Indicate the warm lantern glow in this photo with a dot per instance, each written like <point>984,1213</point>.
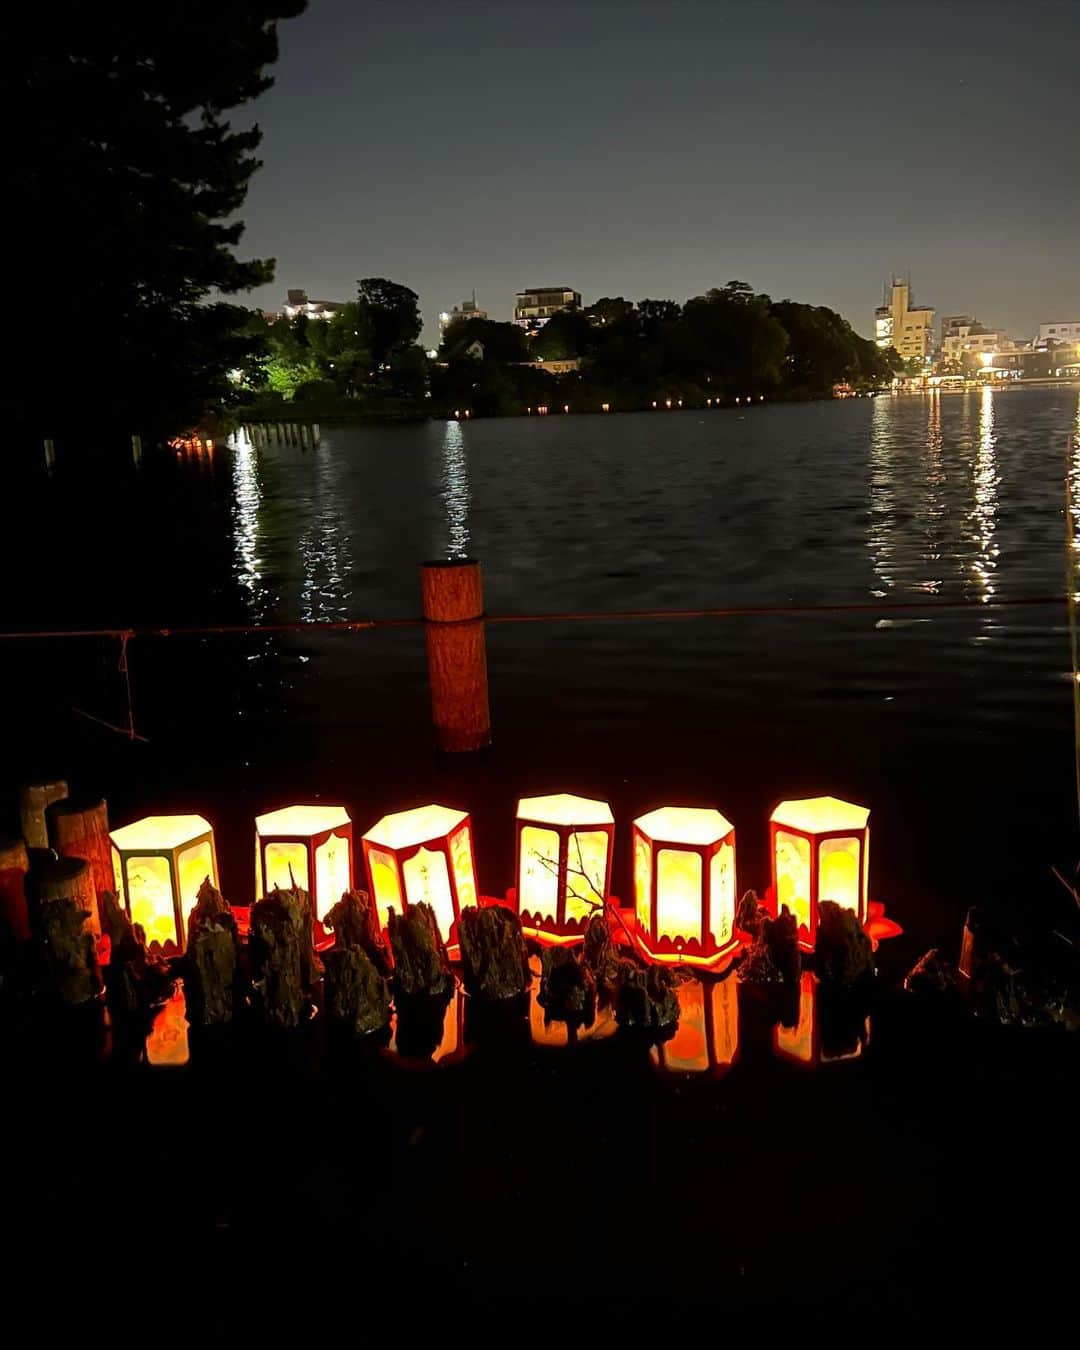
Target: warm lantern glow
<point>305,846</point>
<point>159,864</point>
<point>684,884</point>
<point>820,851</point>
<point>564,853</point>
<point>422,855</point>
<point>707,1037</point>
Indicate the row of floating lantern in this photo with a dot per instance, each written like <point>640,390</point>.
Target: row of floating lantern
<point>684,868</point>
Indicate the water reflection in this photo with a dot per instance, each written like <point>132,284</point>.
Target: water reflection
<point>454,490</point>
<point>324,546</point>
<point>247,500</point>
<point>984,512</point>
<point>707,1036</point>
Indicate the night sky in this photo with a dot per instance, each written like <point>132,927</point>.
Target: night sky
<point>659,149</point>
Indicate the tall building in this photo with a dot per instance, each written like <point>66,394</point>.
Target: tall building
<point>468,309</point>
<point>297,302</point>
<point>534,307</point>
<point>900,324</point>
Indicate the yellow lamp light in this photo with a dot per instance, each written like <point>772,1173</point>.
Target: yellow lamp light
<point>684,884</point>
<point>159,864</point>
<point>306,846</point>
<point>422,855</point>
<point>820,849</point>
<point>564,851</point>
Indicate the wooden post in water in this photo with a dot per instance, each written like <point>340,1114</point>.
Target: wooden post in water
<point>82,831</point>
<point>34,800</point>
<point>50,454</point>
<point>304,435</point>
<point>316,434</point>
<point>136,449</point>
<point>453,598</point>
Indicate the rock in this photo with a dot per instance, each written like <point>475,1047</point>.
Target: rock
<point>354,921</point>
<point>773,957</point>
<point>283,961</point>
<point>495,962</point>
<point>843,953</point>
<point>421,966</point>
<point>932,977</point>
<point>600,957</point>
<point>420,1024</point>
<point>749,914</point>
<point>70,957</point>
<point>567,987</point>
<point>357,996</point>
<point>646,997</point>
<point>212,960</point>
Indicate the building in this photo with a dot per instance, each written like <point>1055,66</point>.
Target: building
<point>961,333</point>
<point>1068,331</point>
<point>468,309</point>
<point>297,303</point>
<point>900,324</point>
<point>534,307</point>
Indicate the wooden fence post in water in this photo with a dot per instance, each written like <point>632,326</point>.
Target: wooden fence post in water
<point>453,596</point>
<point>34,800</point>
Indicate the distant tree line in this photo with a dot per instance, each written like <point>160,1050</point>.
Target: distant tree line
<point>364,359</point>
<point>729,343</point>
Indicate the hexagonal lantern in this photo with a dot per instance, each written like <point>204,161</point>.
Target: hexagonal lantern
<point>684,884</point>
<point>309,846</point>
<point>820,848</point>
<point>564,850</point>
<point>159,863</point>
<point>422,855</point>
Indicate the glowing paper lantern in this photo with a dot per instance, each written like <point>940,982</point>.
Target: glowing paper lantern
<point>309,846</point>
<point>159,863</point>
<point>684,884</point>
<point>820,849</point>
<point>422,855</point>
<point>564,848</point>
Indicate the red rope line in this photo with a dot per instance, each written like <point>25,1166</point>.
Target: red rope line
<point>557,616</point>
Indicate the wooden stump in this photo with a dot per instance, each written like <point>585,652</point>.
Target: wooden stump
<point>67,879</point>
<point>83,832</point>
<point>34,801</point>
<point>14,917</point>
<point>453,599</point>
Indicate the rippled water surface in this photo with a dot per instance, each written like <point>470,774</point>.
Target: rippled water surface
<point>955,727</point>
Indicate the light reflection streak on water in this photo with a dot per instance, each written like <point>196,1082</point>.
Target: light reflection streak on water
<point>324,546</point>
<point>454,490</point>
<point>246,505</point>
<point>984,512</point>
<point>882,497</point>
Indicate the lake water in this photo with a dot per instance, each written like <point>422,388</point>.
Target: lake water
<point>954,727</point>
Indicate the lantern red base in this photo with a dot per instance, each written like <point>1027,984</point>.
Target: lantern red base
<point>546,931</point>
<point>876,925</point>
<point>680,952</point>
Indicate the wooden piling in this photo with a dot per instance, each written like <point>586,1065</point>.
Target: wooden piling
<point>82,831</point>
<point>304,435</point>
<point>34,800</point>
<point>14,916</point>
<point>66,879</point>
<point>50,453</point>
<point>136,449</point>
<point>453,600</point>
<point>316,434</point>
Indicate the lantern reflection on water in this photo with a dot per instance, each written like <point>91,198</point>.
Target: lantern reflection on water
<point>305,846</point>
<point>707,1036</point>
<point>684,884</point>
<point>564,848</point>
<point>422,855</point>
<point>820,1039</point>
<point>820,849</point>
<point>159,864</point>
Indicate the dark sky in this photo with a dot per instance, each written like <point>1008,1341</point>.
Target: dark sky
<point>621,148</point>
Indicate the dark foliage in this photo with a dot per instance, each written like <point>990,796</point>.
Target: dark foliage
<point>125,176</point>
